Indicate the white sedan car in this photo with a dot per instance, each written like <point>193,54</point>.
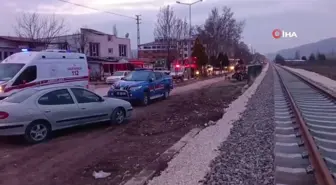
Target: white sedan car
<point>35,113</point>
<point>116,76</point>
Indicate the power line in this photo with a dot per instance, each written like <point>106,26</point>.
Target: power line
<point>137,17</point>
<point>84,6</point>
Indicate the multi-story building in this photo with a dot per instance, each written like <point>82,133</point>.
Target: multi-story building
<point>158,50</point>
<point>95,44</point>
<point>182,46</point>
<point>10,45</point>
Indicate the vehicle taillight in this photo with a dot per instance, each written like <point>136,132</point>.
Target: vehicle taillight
<point>3,115</point>
<point>177,66</point>
<point>2,88</point>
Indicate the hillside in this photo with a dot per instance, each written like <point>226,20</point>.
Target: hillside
<point>326,46</point>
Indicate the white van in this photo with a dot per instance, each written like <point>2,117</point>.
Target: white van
<point>49,67</point>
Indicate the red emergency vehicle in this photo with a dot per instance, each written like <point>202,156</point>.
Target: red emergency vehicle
<point>184,67</point>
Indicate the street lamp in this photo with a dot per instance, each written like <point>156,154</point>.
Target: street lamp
<point>189,4</point>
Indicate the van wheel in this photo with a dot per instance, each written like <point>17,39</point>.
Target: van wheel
<point>118,116</point>
<point>37,131</point>
<point>145,100</point>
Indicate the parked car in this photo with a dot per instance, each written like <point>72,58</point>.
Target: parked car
<point>177,72</point>
<point>116,76</point>
<point>142,85</point>
<point>35,113</point>
<point>162,69</point>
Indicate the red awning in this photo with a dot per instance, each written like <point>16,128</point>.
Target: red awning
<point>137,62</point>
<point>114,63</point>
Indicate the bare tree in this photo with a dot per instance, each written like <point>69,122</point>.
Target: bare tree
<point>82,41</point>
<point>165,29</point>
<point>41,29</point>
<point>115,30</point>
<point>221,31</point>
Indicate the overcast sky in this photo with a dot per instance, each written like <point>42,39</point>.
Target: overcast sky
<point>311,20</point>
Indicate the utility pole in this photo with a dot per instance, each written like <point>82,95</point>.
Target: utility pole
<point>138,19</point>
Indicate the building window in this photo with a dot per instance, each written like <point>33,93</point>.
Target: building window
<point>110,50</point>
<point>122,50</point>
<point>109,38</point>
<point>0,55</point>
<point>63,46</point>
<point>5,54</point>
<point>94,49</point>
<point>185,55</point>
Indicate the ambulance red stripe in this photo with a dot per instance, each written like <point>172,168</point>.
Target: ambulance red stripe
<point>47,82</point>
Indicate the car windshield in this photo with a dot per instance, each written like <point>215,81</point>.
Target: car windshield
<point>20,96</point>
<point>137,76</point>
<point>9,70</point>
<point>118,73</point>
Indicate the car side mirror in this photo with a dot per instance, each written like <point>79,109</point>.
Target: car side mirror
<point>122,78</point>
<point>150,80</point>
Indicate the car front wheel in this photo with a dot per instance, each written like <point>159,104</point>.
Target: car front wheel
<point>118,116</point>
<point>145,100</point>
<point>37,132</point>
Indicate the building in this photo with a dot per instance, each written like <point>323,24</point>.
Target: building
<point>94,43</point>
<point>182,46</point>
<point>10,45</point>
<point>158,50</point>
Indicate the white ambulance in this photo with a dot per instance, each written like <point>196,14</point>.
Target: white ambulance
<point>49,67</point>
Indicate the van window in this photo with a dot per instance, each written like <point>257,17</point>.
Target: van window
<point>28,75</point>
<point>9,70</point>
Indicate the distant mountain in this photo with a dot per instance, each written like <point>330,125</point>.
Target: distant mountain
<point>326,46</point>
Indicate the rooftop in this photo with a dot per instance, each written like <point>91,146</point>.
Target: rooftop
<point>17,39</point>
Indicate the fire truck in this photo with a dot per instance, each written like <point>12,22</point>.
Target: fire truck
<point>184,68</point>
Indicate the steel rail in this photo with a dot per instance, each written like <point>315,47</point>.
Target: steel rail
<point>321,171</point>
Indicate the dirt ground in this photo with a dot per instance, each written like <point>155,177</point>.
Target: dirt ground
<point>72,155</point>
<point>325,68</point>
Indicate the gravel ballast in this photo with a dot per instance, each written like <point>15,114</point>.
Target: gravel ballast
<point>191,165</point>
<point>246,157</point>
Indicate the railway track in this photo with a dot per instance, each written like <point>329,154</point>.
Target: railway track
<point>305,134</point>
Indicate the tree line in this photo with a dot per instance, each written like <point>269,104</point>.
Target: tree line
<point>312,57</point>
<point>43,30</point>
<point>217,39</point>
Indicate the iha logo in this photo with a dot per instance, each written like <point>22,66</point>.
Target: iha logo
<point>277,34</point>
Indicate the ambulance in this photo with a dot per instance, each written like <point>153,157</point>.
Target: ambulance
<point>45,68</point>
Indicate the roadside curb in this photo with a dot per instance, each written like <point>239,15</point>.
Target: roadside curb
<point>160,163</point>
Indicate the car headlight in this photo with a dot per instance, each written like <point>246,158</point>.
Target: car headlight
<point>231,67</point>
<point>135,88</point>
